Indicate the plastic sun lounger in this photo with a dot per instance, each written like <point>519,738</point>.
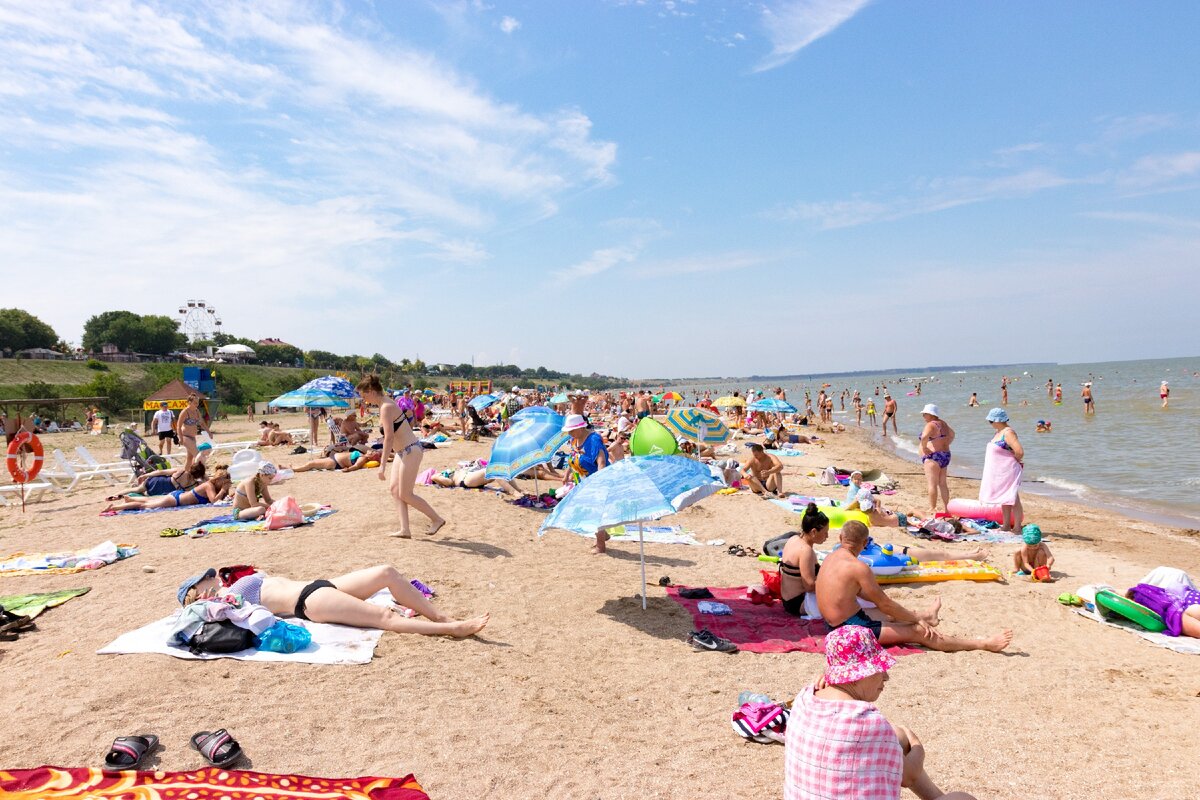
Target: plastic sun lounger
<point>10,493</point>
<point>106,471</point>
<point>63,474</point>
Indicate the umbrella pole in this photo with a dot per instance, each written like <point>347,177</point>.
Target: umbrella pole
<point>536,493</point>
<point>642,551</point>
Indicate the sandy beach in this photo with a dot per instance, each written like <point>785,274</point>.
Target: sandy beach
<point>573,691</point>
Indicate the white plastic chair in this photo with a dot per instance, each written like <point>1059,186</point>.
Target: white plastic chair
<point>10,493</point>
<point>63,475</point>
<point>93,467</point>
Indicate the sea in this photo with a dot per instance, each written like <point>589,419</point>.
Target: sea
<point>1132,456</point>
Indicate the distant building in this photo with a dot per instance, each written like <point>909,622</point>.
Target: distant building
<point>110,352</point>
<point>41,353</point>
<point>277,343</point>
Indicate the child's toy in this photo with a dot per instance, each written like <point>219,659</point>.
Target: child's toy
<point>1134,612</point>
<point>973,509</point>
<point>1042,574</point>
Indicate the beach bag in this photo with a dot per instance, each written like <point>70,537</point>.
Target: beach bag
<point>284,513</point>
<point>284,637</point>
<point>221,637</point>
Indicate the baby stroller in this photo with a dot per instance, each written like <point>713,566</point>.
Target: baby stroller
<point>140,456</point>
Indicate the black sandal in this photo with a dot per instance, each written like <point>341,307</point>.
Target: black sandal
<point>12,623</point>
<point>218,748</point>
<point>128,751</point>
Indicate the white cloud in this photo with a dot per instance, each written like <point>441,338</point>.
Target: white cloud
<point>928,196</point>
<point>791,26</point>
<point>509,24</point>
<point>599,261</point>
<point>1161,169</point>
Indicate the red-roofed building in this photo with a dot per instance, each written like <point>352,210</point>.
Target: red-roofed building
<point>276,342</point>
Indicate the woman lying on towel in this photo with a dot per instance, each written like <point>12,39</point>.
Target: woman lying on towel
<point>1171,594</point>
<point>345,461</point>
<point>212,490</point>
<point>341,601</point>
<point>164,481</point>
<point>472,477</point>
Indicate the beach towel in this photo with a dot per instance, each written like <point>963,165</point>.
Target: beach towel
<point>658,534</point>
<point>786,452</point>
<point>227,524</point>
<point>30,605</point>
<point>761,628</point>
<point>1180,644</point>
<point>207,783</point>
<point>172,508</point>
<point>99,556</point>
<point>331,644</point>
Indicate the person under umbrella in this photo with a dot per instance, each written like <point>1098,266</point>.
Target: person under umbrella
<point>588,455</point>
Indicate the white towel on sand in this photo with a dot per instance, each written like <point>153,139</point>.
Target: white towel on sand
<point>331,644</point>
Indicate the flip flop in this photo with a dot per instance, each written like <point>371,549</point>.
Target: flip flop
<point>219,742</point>
<point>11,623</point>
<point>128,751</point>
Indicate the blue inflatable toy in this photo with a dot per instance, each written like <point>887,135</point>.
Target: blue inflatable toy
<point>883,559</point>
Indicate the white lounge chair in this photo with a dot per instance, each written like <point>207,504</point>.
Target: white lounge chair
<point>90,466</point>
<point>62,474</point>
<point>10,493</point>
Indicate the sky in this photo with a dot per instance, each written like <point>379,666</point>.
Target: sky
<point>663,188</point>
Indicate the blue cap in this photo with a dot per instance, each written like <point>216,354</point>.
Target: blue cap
<point>192,581</point>
<point>997,415</point>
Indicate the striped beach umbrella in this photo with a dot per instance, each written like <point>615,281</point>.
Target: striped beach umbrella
<point>698,425</point>
<point>308,398</point>
<point>528,442</point>
<point>674,397</point>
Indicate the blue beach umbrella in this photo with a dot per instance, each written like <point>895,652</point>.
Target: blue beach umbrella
<point>308,398</point>
<point>528,442</point>
<point>772,405</point>
<point>535,411</point>
<point>635,489</point>
<point>559,398</point>
<point>698,425</point>
<point>483,401</point>
<point>332,385</point>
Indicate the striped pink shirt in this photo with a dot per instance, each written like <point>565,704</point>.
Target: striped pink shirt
<point>840,750</point>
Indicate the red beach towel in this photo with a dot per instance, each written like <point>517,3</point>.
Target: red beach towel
<point>201,784</point>
<point>762,628</point>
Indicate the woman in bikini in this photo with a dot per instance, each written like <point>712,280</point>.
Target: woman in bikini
<point>252,498</point>
<point>936,439</point>
<point>164,481</point>
<point>798,564</point>
<point>346,461</point>
<point>187,427</point>
<point>212,490</point>
<point>398,420</point>
<point>341,601</point>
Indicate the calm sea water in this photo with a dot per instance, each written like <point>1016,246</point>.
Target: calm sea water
<point>1132,454</point>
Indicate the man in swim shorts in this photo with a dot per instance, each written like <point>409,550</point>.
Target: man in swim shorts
<point>889,412</point>
<point>843,580</point>
<point>1089,403</point>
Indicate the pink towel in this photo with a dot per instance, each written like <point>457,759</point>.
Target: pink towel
<point>426,477</point>
<point>1001,479</point>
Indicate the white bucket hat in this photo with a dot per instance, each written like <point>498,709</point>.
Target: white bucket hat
<point>574,422</point>
<point>932,410</point>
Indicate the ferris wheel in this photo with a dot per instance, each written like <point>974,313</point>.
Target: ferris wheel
<point>199,321</point>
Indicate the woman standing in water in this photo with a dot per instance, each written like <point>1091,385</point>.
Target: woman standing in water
<point>1003,465</point>
<point>398,421</point>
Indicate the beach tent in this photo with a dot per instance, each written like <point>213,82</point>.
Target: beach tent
<point>175,393</point>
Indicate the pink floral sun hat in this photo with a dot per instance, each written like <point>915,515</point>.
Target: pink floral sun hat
<point>852,653</point>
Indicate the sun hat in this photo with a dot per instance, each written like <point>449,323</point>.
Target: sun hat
<point>516,388</point>
<point>932,410</point>
<point>852,653</point>
<point>192,581</point>
<point>574,422</point>
<point>267,468</point>
<point>1032,534</point>
<point>997,415</point>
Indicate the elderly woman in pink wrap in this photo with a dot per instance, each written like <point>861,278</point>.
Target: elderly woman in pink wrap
<point>1003,464</point>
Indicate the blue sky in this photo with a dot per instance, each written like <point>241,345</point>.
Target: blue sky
<point>657,188</point>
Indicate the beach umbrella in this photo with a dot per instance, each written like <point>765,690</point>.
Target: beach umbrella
<point>332,385</point>
<point>636,489</point>
<point>729,402</point>
<point>527,442</point>
<point>674,397</point>
<point>483,401</point>
<point>561,397</point>
<point>308,398</point>
<point>534,411</point>
<point>651,438</point>
<point>698,425</point>
<point>772,405</point>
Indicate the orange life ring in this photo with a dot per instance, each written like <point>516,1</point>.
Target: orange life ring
<point>19,474</point>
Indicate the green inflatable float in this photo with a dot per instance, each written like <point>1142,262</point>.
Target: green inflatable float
<point>1134,612</point>
<point>651,438</point>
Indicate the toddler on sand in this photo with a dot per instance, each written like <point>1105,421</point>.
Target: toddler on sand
<point>1034,553</point>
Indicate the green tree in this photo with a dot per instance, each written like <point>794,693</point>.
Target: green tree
<point>118,394</point>
<point>130,332</point>
<point>277,354</point>
<point>20,330</point>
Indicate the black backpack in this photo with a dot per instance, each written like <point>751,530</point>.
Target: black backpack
<point>222,637</point>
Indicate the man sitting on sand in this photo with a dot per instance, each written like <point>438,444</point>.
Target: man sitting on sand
<point>843,579</point>
<point>763,471</point>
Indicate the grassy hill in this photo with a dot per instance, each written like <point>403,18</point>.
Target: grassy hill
<point>72,378</point>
